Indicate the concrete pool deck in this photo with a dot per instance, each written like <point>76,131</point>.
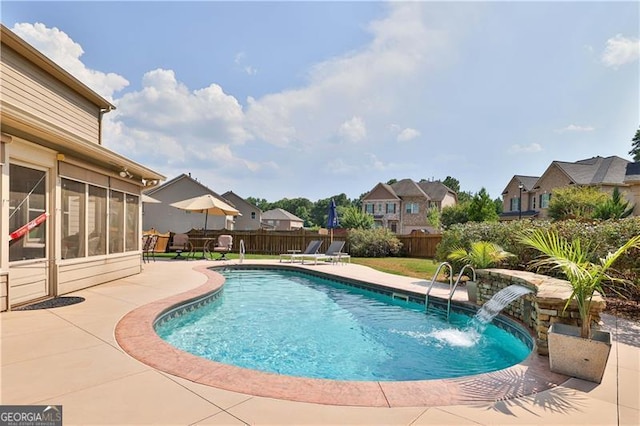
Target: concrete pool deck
<point>69,356</point>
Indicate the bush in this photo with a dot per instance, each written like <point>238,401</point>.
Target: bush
<point>378,242</point>
<point>603,236</point>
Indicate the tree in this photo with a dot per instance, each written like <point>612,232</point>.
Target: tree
<point>615,207</point>
<point>452,183</point>
<point>260,203</point>
<point>464,197</point>
<point>353,218</point>
<point>499,206</point>
<point>482,254</point>
<point>454,214</point>
<point>575,261</point>
<point>575,202</point>
<point>433,217</point>
<point>482,208</point>
<point>635,146</point>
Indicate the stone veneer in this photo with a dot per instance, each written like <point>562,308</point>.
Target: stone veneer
<point>539,309</point>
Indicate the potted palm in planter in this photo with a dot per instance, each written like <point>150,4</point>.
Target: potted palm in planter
<point>481,255</point>
<point>577,351</point>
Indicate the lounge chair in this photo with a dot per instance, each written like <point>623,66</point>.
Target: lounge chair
<point>333,253</point>
<point>312,248</point>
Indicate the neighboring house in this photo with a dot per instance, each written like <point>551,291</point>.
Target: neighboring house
<point>402,206</point>
<point>54,169</point>
<point>517,199</point>
<point>251,218</point>
<point>632,180</point>
<point>528,196</point>
<point>281,220</point>
<point>165,218</point>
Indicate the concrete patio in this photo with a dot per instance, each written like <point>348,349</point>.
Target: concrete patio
<point>69,356</point>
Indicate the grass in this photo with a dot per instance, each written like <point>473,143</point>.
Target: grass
<point>404,266</point>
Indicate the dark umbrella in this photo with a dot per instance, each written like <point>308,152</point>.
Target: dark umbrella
<point>332,219</point>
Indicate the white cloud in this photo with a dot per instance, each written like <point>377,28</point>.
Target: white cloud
<point>407,134</point>
<point>531,148</point>
<point>621,50</point>
<point>172,128</point>
<point>575,128</point>
<point>353,130</point>
<point>239,61</point>
<point>62,50</point>
<point>371,83</point>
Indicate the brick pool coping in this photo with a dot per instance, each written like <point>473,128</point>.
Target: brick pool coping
<point>136,336</point>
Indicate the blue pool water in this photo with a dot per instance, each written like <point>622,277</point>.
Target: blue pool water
<point>297,324</point>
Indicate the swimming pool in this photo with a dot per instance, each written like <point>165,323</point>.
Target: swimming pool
<point>297,324</point>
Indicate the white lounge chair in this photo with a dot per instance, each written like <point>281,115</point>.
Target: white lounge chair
<point>333,253</point>
<point>312,248</point>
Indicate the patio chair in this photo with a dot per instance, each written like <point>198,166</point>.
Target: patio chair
<point>332,253</point>
<point>181,244</point>
<point>312,248</point>
<point>223,246</point>
<point>149,246</point>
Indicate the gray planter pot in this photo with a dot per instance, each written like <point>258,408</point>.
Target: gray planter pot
<point>577,357</point>
<point>472,291</point>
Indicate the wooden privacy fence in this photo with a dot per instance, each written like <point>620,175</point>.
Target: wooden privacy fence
<point>277,242</point>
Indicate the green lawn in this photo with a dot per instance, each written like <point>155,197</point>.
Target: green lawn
<point>409,267</point>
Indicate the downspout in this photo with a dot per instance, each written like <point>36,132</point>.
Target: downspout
<point>103,111</point>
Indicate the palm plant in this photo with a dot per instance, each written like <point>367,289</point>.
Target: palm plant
<point>482,254</point>
<point>573,259</point>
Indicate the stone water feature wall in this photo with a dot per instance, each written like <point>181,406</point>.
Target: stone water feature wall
<point>537,310</point>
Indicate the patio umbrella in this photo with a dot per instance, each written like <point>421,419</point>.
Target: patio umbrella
<point>207,204</point>
<point>332,218</point>
<point>150,200</point>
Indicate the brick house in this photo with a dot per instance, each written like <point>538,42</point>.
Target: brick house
<point>529,196</point>
<point>402,206</point>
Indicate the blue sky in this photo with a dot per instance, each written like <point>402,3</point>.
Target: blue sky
<point>314,99</point>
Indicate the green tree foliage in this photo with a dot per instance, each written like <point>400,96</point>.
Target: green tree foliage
<point>464,197</point>
<point>452,183</point>
<point>635,146</point>
<point>260,203</point>
<point>615,207</point>
<point>392,181</point>
<point>603,236</point>
<point>481,254</point>
<point>354,218</point>
<point>575,202</point>
<point>451,215</point>
<point>433,217</point>
<point>376,242</point>
<point>574,259</point>
<point>482,208</point>
<point>499,207</point>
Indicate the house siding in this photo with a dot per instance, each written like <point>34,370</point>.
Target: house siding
<point>31,96</point>
<point>50,125</point>
<point>73,276</point>
<point>245,222</point>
